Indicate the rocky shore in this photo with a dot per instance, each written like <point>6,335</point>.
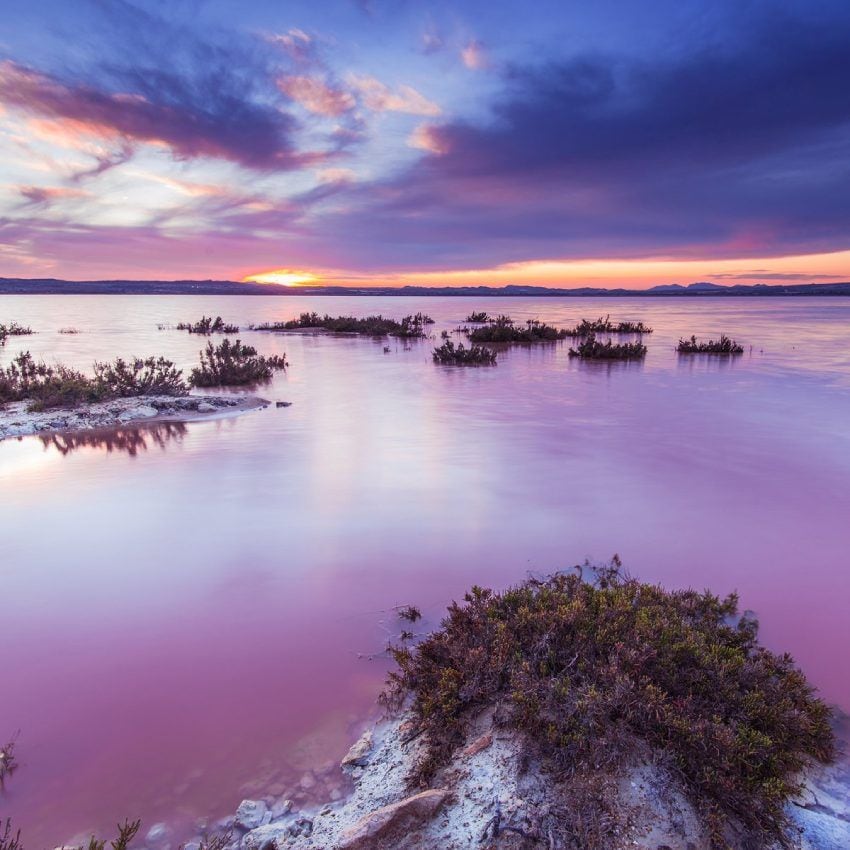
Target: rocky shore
<point>492,796</point>
<point>17,421</point>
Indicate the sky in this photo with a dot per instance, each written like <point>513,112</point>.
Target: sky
<point>389,142</point>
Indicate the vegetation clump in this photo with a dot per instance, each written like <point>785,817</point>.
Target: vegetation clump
<point>478,317</point>
<point>13,329</point>
<point>206,325</point>
<point>724,345</point>
<point>232,364</point>
<point>592,349</point>
<point>47,386</point>
<point>593,674</point>
<point>8,762</point>
<point>126,833</point>
<point>409,326</point>
<point>604,325</point>
<point>475,355</point>
<point>504,329</point>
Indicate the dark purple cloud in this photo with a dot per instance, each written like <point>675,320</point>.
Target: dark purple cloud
<point>192,117</point>
<point>734,149</point>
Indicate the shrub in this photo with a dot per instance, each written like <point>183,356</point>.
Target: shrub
<point>8,762</point>
<point>60,386</point>
<point>151,376</point>
<point>477,317</point>
<point>126,833</point>
<point>592,349</point>
<point>232,363</point>
<point>13,329</point>
<point>68,331</point>
<point>724,345</point>
<point>503,329</point>
<point>206,325</point>
<point>600,325</point>
<point>475,355</point>
<point>594,673</point>
<point>409,326</point>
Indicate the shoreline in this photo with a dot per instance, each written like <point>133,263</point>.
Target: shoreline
<point>17,422</point>
<point>488,796</point>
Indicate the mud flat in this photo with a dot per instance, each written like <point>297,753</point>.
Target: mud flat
<point>17,421</point>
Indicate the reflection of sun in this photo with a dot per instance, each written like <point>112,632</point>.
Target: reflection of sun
<point>282,277</point>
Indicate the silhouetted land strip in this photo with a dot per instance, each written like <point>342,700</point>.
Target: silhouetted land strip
<point>53,286</point>
<point>724,345</point>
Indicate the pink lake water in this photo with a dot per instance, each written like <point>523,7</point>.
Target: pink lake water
<point>192,614</point>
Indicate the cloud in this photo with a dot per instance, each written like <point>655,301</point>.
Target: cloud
<point>378,97</point>
<point>316,96</point>
<point>192,117</point>
<point>424,138</point>
<point>474,56</point>
<point>46,195</point>
<point>296,43</point>
<point>776,276</point>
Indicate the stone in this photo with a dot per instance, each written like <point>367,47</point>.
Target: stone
<point>268,836</point>
<point>283,404</point>
<point>250,814</point>
<point>358,755</point>
<point>307,782</point>
<point>281,808</point>
<point>372,831</point>
<point>477,745</point>
<point>205,407</point>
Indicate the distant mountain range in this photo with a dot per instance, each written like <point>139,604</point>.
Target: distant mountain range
<point>51,286</point>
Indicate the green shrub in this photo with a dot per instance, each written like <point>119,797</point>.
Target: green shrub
<point>206,325</point>
<point>232,363</point>
<point>46,387</point>
<point>592,349</point>
<point>151,376</point>
<point>724,345</point>
<point>475,355</point>
<point>594,673</point>
<point>600,325</point>
<point>503,329</point>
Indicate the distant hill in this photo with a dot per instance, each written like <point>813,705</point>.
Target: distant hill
<point>51,286</point>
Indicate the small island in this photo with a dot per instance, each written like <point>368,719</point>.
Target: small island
<point>412,326</point>
<point>724,345</point>
<point>503,329</point>
<point>475,355</point>
<point>592,349</point>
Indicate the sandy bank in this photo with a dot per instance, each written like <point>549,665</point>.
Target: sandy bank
<point>17,421</point>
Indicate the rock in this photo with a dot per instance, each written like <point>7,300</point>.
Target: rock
<point>270,836</point>
<point>302,826</point>
<point>307,782</point>
<point>281,808</point>
<point>374,829</point>
<point>283,404</point>
<point>358,755</point>
<point>250,814</point>
<point>157,833</point>
<point>477,745</point>
<point>205,407</point>
<point>192,845</point>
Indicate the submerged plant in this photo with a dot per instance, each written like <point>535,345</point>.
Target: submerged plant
<point>232,363</point>
<point>206,325</point>
<point>13,329</point>
<point>504,329</point>
<point>475,355</point>
<point>409,326</point>
<point>595,673</point>
<point>592,349</point>
<point>8,762</point>
<point>605,325</point>
<point>478,317</point>
<point>724,345</point>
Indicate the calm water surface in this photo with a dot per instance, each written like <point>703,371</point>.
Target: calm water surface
<point>189,612</point>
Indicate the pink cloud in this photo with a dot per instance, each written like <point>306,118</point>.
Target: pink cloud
<point>316,96</point>
<point>378,97</point>
<point>474,56</point>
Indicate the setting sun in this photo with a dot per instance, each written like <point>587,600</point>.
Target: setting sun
<point>282,277</point>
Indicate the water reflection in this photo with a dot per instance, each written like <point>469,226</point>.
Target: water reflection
<point>129,441</point>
